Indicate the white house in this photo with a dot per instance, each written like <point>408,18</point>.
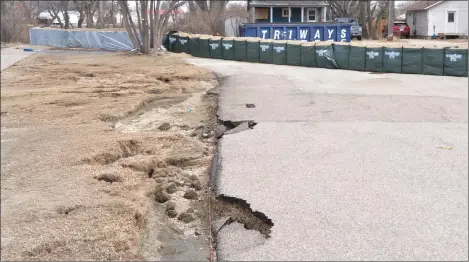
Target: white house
<point>444,18</point>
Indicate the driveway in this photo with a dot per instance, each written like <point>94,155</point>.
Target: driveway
<point>347,165</point>
<point>12,55</point>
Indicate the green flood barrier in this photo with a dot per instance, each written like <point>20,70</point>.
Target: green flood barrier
<point>308,55</point>
<point>204,47</point>
<point>240,49</point>
<point>194,45</point>
<point>412,60</point>
<point>433,61</point>
<point>252,50</point>
<point>455,62</point>
<point>265,51</point>
<point>294,53</point>
<point>392,60</point>
<point>341,55</point>
<point>357,58</point>
<point>183,44</point>
<point>449,61</point>
<point>215,47</point>
<point>228,51</point>
<point>172,43</point>
<point>279,52</point>
<point>374,59</point>
<point>325,56</point>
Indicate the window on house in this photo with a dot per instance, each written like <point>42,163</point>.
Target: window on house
<point>285,12</point>
<point>311,15</point>
<point>450,17</point>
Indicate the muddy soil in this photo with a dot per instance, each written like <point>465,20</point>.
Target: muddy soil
<point>106,157</point>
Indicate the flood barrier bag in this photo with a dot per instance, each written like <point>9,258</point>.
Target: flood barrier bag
<point>184,44</point>
<point>240,50</point>
<point>293,54</point>
<point>228,49</point>
<point>357,58</point>
<point>308,56</point>
<point>215,48</point>
<point>374,59</point>
<point>341,55</point>
<point>204,48</point>
<point>172,43</point>
<point>279,53</point>
<point>194,46</point>
<point>412,60</point>
<point>455,62</point>
<point>265,52</point>
<point>392,60</point>
<point>433,61</point>
<point>252,51</point>
<point>325,56</point>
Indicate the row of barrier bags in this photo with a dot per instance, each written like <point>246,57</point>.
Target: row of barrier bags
<point>428,61</point>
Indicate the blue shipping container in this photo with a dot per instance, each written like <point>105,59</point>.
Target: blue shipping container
<point>303,32</point>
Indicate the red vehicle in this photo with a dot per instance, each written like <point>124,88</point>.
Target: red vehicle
<point>401,29</point>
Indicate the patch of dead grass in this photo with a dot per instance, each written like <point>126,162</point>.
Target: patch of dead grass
<point>77,189</point>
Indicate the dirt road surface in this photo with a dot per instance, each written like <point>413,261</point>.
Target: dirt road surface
<point>103,158</point>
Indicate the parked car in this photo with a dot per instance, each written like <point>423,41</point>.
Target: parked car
<point>356,30</point>
<point>400,29</point>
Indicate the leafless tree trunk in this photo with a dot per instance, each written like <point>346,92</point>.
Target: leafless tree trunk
<point>53,9</point>
<point>348,8</point>
<point>101,14</point>
<point>152,19</point>
<point>90,9</point>
<point>192,7</point>
<point>202,4</point>
<point>139,32</point>
<point>362,19</point>
<point>66,16</point>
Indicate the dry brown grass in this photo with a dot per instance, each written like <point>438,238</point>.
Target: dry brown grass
<point>73,186</point>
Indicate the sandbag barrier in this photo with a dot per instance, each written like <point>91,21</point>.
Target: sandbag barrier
<point>392,59</point>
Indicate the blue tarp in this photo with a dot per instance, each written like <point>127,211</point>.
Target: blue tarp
<point>81,39</point>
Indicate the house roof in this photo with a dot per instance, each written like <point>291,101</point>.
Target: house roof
<point>292,3</point>
<point>422,5</point>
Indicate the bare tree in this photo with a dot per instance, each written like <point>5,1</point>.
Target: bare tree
<point>192,6</point>
<point>90,10</point>
<point>80,6</point>
<point>54,10</point>
<point>348,8</point>
<point>64,8</point>
<point>362,18</point>
<point>16,16</point>
<point>139,31</point>
<point>375,12</point>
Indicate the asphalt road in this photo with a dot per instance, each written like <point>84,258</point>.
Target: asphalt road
<point>348,165</point>
<point>12,55</point>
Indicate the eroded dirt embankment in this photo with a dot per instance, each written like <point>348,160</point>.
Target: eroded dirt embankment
<point>105,157</point>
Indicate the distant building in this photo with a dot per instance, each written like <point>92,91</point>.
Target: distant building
<point>278,11</point>
<point>445,18</point>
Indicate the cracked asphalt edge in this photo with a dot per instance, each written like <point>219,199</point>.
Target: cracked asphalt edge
<point>228,209</point>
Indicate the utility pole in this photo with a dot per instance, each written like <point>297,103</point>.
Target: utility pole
<point>101,14</point>
<point>391,20</point>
